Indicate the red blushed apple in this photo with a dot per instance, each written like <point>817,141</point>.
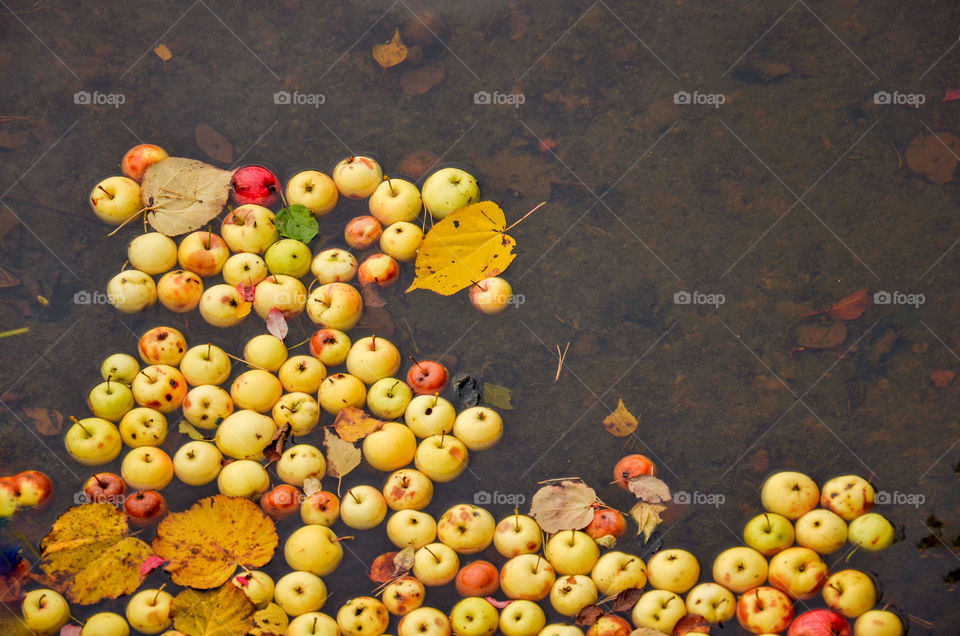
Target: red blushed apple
<point>136,161</point>
<point>606,522</point>
<point>427,377</point>
<point>820,622</point>
<point>203,253</point>
<point>610,625</point>
<point>632,466</point>
<point>105,488</point>
<point>362,232</point>
<point>145,508</point>
<point>281,502</point>
<point>34,488</point>
<point>255,184</point>
<point>380,269</point>
<point>479,578</point>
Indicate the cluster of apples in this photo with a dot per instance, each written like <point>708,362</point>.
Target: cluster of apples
<point>793,533</point>
<point>26,489</point>
<point>261,271</point>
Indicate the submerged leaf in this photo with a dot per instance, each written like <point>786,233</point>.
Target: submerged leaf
<point>621,422</point>
<point>391,53</point>
<point>222,612</point>
<point>205,543</point>
<point>568,505</point>
<point>466,246</point>
<point>821,336</point>
<point>647,517</point>
<point>182,195</point>
<point>213,144</point>
<point>89,556</point>
<point>297,222</point>
<point>648,488</point>
<point>46,421</point>
<point>497,395</point>
<point>354,424</point>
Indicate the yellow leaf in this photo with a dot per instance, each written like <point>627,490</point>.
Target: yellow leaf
<point>222,612</point>
<point>342,457</point>
<point>647,517</point>
<point>391,53</point>
<point>621,422</point>
<point>271,620</point>
<point>205,544</point>
<point>163,52</point>
<point>354,424</point>
<point>467,246</point>
<point>89,556</point>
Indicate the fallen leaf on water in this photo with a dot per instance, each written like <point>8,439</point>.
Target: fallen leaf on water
<point>467,245</point>
<point>497,603</point>
<point>821,336</point>
<point>371,296</point>
<point>182,195</point>
<point>246,290</point>
<point>269,621</point>
<point>621,422</point>
<point>383,570</point>
<point>607,541</point>
<point>311,485</point>
<point>647,517</point>
<point>649,489</point>
<point>404,559</point>
<point>342,457</point>
<point>46,422</point>
<point>849,307</point>
<point>933,156</point>
<point>275,450</point>
<point>88,555</point>
<point>497,395</point>
<point>221,612</point>
<point>589,615</point>
<point>163,52</point>
<point>186,428</point>
<point>691,624</point>
<point>296,222</point>
<point>419,81</point>
<point>568,505</point>
<point>391,53</point>
<point>150,564</point>
<point>353,424</point>
<point>213,144</point>
<point>627,599</point>
<point>952,94</point>
<point>277,324</point>
<point>205,543</point>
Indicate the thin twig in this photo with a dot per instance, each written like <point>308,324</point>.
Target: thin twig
<point>560,358</point>
<point>539,205</point>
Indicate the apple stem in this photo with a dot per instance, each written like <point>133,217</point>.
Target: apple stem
<point>540,205</point>
<point>422,370</point>
<point>436,558</point>
<point>536,566</point>
<point>373,342</point>
<point>148,375</point>
<point>157,596</point>
<point>516,519</point>
<point>108,384</point>
<point>206,245</point>
<point>769,525</point>
<point>442,433</point>
<point>77,422</point>
<point>105,191</point>
<point>436,398</point>
<point>338,539</point>
<point>236,218</point>
<point>350,492</point>
<point>390,185</point>
<point>100,482</point>
<point>209,349</point>
<point>40,601</point>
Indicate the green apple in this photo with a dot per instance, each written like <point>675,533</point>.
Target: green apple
<point>522,618</point>
<point>871,532</point>
<point>466,528</point>
<point>403,595</point>
<point>572,593</point>
<point>442,458</point>
<point>110,400</point>
<point>363,616</point>
<point>206,406</point>
<point>658,609</point>
<point>821,530</point>
<point>850,592</point>
<point>474,616</point>
<point>388,398</point>
<point>712,601</point>
<point>790,494</point>
<point>93,441</point>
<point>395,200</point>
<point>131,291</point>
<point>205,364</point>
<point>740,569</point>
<point>390,448</point>
<point>243,478</point>
<point>435,564</point>
<point>768,533</point>
<point>517,534</point>
<point>120,367</point>
<point>148,611</point>
<point>313,549</point>
<point>197,463</point>
<point>449,189</point>
<point>478,427</point>
<point>362,507</point>
<point>289,257</point>
<point>299,462</point>
<point>300,592</point>
<point>265,351</point>
<point>572,552</point>
<point>105,624</point>
<point>115,199</point>
<point>44,611</point>
<point>527,576</point>
<point>411,528</point>
<point>424,621</point>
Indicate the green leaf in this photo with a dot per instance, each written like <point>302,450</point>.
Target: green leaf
<point>297,222</point>
<point>496,395</point>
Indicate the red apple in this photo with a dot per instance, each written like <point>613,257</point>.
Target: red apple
<point>136,161</point>
<point>255,184</point>
<point>281,502</point>
<point>764,610</point>
<point>105,488</point>
<point>145,508</point>
<point>427,377</point>
<point>632,466</point>
<point>380,269</point>
<point>477,578</point>
<point>819,622</point>
<point>606,521</point>
<point>33,488</point>
<point>362,232</point>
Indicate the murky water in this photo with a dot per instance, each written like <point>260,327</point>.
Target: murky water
<point>776,184</point>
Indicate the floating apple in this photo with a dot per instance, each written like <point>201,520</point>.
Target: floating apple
<point>527,576</point>
<point>363,507</point>
<point>145,508</point>
<point>300,592</point>
<point>849,496</point>
<point>330,346</point>
<point>121,367</point>
<point>790,494</point>
<point>93,441</point>
<point>205,364</point>
<point>769,533</point>
<point>357,177</point>
<point>105,488</point>
<point>764,610</point>
<point>334,266</point>
<point>878,623</point>
<point>136,160</point>
<point>148,611</point>
<point>207,405</point>
<point>153,253</point>
<point>819,622</point>
<point>518,534</point>
<point>403,595</point>
<point>159,387</point>
<point>401,240</point>
<point>299,462</point>
<point>408,488</point>
<point>131,291</point>
<point>244,268</point>
<point>335,305</point>
<point>255,185</point>
<point>474,616</point>
<point>821,530</point>
<point>411,528</point>
<point>372,358</point>
<point>435,564</point>
<point>572,593</point>
<point>491,295</point>
<point>289,257</point>
<point>740,569</point>
<point>147,468</point>
<point>466,528</point>
<point>388,398</point>
<point>616,571</point>
<point>479,428</point>
<point>180,290</point>
<point>162,345</point>
<point>34,488</point>
<point>362,232</point>
<point>197,463</point>
<point>44,611</point>
<point>340,390</point>
<point>281,502</point>
<point>449,189</point>
<point>424,621</point>
<point>800,572</point>
<point>871,532</point>
<point>321,508</point>
<point>143,426</point>
<point>632,466</point>
<point>203,253</point>
<point>379,269</point>
<point>313,190</point>
<point>478,578</point>
<point>428,415</point>
<point>282,292</point>
<point>712,601</point>
<point>249,228</point>
<point>441,457</point>
<point>674,570</point>
<point>224,306</point>
<point>115,199</point>
<point>522,617</point>
<point>243,478</point>
<point>427,377</point>
<point>850,592</point>
<point>606,522</point>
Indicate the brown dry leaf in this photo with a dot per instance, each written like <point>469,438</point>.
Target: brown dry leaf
<point>182,195</point>
<point>821,336</point>
<point>46,422</point>
<point>626,599</point>
<point>649,488</point>
<point>607,541</point>
<point>621,422</point>
<point>269,621</point>
<point>213,144</point>
<point>383,568</point>
<point>88,555</point>
<point>371,296</point>
<point>419,81</point>
<point>354,424</point>
<point>851,307</point>
<point>568,505</point>
<point>391,53</point>
<point>589,615</point>
<point>222,612</point>
<point>647,517</point>
<point>691,624</point>
<point>205,543</point>
<point>404,559</point>
<point>163,52</point>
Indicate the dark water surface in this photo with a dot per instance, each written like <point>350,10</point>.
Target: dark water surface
<point>783,199</point>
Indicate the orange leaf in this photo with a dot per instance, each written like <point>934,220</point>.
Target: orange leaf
<point>354,424</point>
<point>391,53</point>
<point>849,308</point>
<point>163,52</point>
<point>48,422</point>
<point>621,422</point>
